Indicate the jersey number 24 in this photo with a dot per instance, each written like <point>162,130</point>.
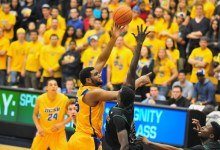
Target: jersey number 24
<point>52,116</point>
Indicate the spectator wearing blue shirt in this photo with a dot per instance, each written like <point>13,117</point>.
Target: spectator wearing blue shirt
<point>74,20</point>
<point>186,85</point>
<point>204,90</point>
<point>97,9</point>
<point>153,96</point>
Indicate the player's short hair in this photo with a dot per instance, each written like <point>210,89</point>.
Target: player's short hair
<point>85,73</point>
<point>127,96</point>
<point>70,102</point>
<point>51,80</point>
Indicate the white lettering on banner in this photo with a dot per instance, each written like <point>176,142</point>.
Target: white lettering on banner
<point>6,102</point>
<point>26,99</point>
<point>150,116</point>
<point>147,115</point>
<point>148,131</point>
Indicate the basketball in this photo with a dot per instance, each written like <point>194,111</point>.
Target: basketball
<point>122,15</point>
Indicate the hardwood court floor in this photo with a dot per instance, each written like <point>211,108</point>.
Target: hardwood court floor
<point>8,147</point>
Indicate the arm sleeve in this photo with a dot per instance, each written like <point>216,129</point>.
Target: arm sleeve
<point>195,94</point>
<point>42,60</point>
<point>191,89</point>
<point>208,58</point>
<point>187,103</point>
<point>192,55</point>
<point>171,101</point>
<point>56,65</point>
<point>205,28</point>
<point>119,123</point>
<point>211,93</point>
<point>61,59</point>
<point>189,28</point>
<point>76,62</point>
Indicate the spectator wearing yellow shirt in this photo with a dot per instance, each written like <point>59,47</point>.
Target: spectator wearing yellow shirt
<point>200,58</point>
<point>7,21</point>
<point>4,44</point>
<point>118,65</point>
<point>55,15</point>
<point>103,36</point>
<point>91,54</point>
<point>172,53</point>
<point>113,5</point>
<point>32,62</point>
<point>54,30</point>
<point>79,36</point>
<point>159,20</point>
<point>1,9</point>
<point>150,22</point>
<point>49,60</point>
<point>129,40</point>
<point>154,43</point>
<point>136,20</point>
<point>106,19</point>
<point>208,8</point>
<point>69,35</point>
<point>16,56</point>
<point>169,28</point>
<point>165,71</point>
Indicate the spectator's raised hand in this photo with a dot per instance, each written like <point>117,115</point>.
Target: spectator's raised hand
<point>140,37</point>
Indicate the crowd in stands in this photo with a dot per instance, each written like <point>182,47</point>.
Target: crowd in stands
<point>44,39</point>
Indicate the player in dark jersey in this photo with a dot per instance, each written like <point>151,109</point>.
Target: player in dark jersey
<point>120,130</point>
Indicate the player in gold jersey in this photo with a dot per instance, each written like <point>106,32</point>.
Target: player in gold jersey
<point>51,108</point>
<point>91,101</point>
